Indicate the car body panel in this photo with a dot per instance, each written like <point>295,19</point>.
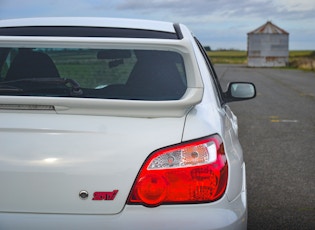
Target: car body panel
<point>210,115</point>
<point>219,215</point>
<point>55,157</point>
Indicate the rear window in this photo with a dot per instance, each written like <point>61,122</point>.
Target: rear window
<point>128,74</point>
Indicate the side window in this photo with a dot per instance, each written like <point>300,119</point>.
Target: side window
<point>212,71</point>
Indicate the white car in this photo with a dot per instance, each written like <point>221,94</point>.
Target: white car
<point>116,124</point>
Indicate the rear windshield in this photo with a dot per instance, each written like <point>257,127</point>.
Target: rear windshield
<point>128,74</point>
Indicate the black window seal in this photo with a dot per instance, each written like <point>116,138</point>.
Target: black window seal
<point>84,31</point>
<point>178,31</point>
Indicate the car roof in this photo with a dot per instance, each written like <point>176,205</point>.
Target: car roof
<point>91,22</point>
<point>90,27</point>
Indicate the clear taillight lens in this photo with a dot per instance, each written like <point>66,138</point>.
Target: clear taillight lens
<point>191,172</point>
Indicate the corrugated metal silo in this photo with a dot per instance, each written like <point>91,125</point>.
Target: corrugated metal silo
<point>268,46</point>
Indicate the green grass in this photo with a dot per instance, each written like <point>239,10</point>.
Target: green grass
<point>90,72</point>
<point>304,59</point>
<point>298,59</point>
<point>228,57</point>
<point>301,53</point>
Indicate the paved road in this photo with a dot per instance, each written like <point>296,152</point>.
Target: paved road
<point>277,132</point>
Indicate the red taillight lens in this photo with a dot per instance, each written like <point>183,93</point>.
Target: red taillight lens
<point>192,172</point>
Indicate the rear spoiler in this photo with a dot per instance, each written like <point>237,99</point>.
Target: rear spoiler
<point>104,107</point>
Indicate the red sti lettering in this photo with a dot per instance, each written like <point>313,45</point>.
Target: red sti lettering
<point>105,195</point>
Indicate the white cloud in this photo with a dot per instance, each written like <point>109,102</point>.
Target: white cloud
<point>294,5</point>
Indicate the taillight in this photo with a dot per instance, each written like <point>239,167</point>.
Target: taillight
<point>191,172</point>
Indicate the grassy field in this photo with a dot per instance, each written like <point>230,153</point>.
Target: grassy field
<point>303,59</point>
<point>228,57</point>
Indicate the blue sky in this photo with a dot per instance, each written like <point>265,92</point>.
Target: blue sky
<point>217,23</point>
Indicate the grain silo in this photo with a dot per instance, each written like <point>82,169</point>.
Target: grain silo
<point>268,46</point>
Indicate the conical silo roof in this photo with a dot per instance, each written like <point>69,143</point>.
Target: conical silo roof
<point>268,28</point>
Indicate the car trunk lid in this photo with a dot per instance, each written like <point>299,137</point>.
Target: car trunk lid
<point>75,164</point>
